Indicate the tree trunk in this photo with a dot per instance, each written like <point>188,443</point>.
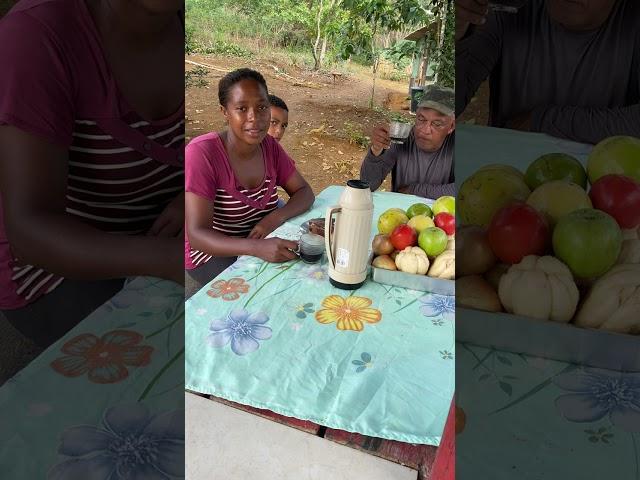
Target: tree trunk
<point>374,55</point>
<point>317,60</point>
<point>373,87</point>
<point>323,52</point>
<point>443,24</point>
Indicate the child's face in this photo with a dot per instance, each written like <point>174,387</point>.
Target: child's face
<point>279,122</point>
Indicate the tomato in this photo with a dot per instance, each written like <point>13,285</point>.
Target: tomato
<point>446,222</point>
<point>403,236</point>
<point>619,196</point>
<point>516,231</point>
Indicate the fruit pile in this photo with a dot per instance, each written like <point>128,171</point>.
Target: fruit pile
<point>543,244</point>
<point>419,241</point>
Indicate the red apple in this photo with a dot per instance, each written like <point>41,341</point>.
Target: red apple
<point>446,222</point>
<point>516,231</point>
<point>619,196</point>
<point>403,236</point>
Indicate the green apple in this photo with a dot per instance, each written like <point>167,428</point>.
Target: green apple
<point>588,241</point>
<point>503,168</point>
<point>390,219</point>
<point>615,155</point>
<point>419,209</point>
<point>433,241</point>
<point>445,204</point>
<point>555,166</point>
<point>420,222</point>
<point>557,198</point>
<point>487,191</point>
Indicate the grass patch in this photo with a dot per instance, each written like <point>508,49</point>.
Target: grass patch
<point>355,135</point>
<point>196,77</point>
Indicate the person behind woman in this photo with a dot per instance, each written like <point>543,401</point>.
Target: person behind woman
<point>91,155</point>
<point>230,184</point>
<point>279,117</point>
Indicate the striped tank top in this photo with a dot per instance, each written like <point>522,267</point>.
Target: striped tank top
<point>112,187</point>
<point>56,83</point>
<point>236,210</point>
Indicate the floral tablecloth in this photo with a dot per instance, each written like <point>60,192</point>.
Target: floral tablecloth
<point>377,361</point>
<point>106,401</point>
<point>532,418</point>
<point>527,417</point>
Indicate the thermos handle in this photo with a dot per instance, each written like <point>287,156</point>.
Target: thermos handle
<point>327,232</point>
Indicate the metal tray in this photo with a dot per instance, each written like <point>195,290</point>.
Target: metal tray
<point>556,341</point>
<point>413,282</point>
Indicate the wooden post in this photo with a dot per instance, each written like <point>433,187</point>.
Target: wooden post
<point>444,466</point>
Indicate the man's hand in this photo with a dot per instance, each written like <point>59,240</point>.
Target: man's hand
<point>267,225</point>
<point>170,223</point>
<point>380,139</point>
<point>277,250</point>
<point>470,12</point>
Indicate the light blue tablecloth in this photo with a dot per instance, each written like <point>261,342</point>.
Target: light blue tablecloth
<point>266,335</point>
<point>529,417</point>
<point>108,395</point>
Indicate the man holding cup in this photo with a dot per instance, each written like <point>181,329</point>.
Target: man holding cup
<point>423,163</point>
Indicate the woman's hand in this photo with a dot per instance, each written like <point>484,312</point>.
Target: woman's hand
<point>277,250</point>
<point>267,225</point>
<point>171,221</point>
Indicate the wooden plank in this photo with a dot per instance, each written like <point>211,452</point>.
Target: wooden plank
<point>399,452</point>
<point>303,425</point>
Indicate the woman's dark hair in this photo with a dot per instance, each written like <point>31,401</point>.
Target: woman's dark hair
<point>278,102</point>
<point>231,78</point>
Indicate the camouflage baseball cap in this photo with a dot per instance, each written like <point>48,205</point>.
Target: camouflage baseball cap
<point>439,98</point>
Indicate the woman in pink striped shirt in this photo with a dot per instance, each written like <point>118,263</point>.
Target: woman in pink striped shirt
<point>230,183</point>
<point>91,155</point>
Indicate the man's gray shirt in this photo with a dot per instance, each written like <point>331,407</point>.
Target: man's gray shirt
<point>426,174</point>
<point>584,86</point>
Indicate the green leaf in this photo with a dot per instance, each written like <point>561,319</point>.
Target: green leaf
<point>506,388</point>
<point>504,360</point>
<point>126,325</point>
<point>534,390</point>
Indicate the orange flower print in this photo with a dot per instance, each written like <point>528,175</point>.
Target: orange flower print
<point>105,359</point>
<point>348,313</point>
<point>228,290</point>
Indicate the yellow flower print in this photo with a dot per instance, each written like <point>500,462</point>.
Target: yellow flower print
<point>348,313</point>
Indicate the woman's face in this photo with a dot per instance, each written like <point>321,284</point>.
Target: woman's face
<point>248,111</point>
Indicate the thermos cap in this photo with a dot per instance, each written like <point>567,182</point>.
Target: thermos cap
<point>358,184</point>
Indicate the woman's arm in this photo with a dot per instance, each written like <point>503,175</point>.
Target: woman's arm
<point>199,212</point>
<point>33,184</point>
<point>301,198</point>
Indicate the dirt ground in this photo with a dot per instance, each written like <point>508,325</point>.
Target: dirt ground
<point>327,116</point>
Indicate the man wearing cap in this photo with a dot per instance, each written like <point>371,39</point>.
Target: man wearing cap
<point>423,164</point>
